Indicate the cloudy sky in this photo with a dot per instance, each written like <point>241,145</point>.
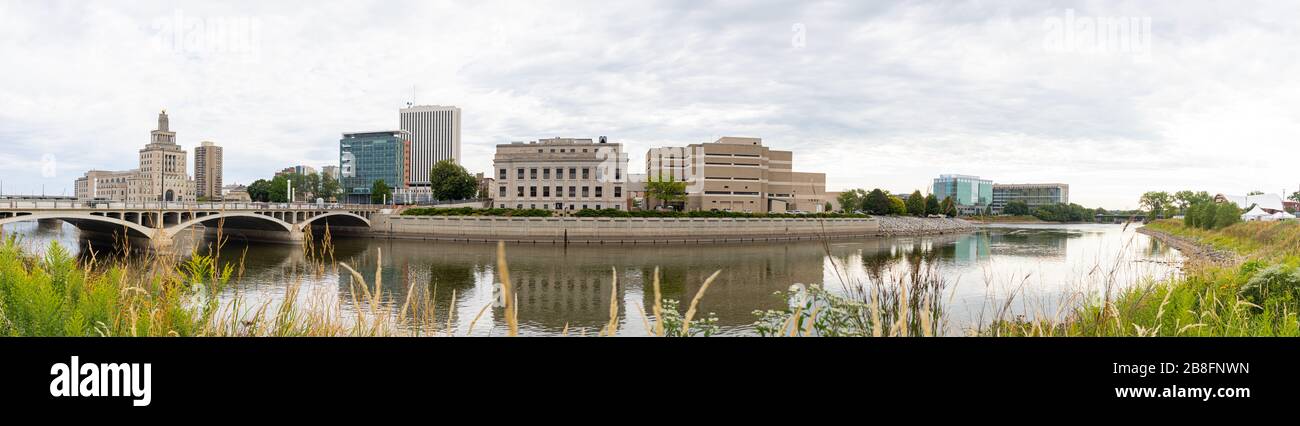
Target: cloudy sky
<point>876,94</point>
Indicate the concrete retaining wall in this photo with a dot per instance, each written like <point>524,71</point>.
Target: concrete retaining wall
<point>616,230</point>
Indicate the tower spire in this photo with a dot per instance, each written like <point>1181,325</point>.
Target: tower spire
<point>162,121</point>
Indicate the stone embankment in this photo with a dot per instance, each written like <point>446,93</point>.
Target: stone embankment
<point>1193,249</point>
<point>922,226</point>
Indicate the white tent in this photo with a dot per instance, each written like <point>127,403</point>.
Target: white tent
<point>1255,214</point>
<point>1282,216</point>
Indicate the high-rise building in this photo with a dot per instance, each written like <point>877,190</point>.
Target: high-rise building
<point>435,136</point>
<point>366,157</point>
<point>562,174</point>
<point>163,174</point>
<point>299,169</point>
<point>207,171</point>
<point>739,175</point>
<point>970,194</point>
<point>1033,194</point>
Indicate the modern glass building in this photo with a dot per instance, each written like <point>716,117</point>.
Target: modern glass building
<point>1033,194</point>
<point>970,193</point>
<point>366,157</point>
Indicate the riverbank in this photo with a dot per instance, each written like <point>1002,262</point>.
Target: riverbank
<point>1242,280</point>
<point>892,226</point>
<point>1192,248</point>
<point>635,230</point>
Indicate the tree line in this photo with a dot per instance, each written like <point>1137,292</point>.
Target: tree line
<point>882,203</point>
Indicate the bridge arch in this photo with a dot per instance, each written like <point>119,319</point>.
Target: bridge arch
<point>87,221</point>
<point>336,219</point>
<point>234,220</point>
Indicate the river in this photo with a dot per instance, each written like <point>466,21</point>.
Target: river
<point>1039,268</point>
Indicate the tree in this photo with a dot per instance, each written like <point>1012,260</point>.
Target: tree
<point>329,188</point>
<point>260,191</point>
<point>670,192</point>
<point>897,206</point>
<point>1227,215</point>
<point>278,190</point>
<point>1157,203</point>
<point>828,207</point>
<point>916,204</point>
<point>851,200</point>
<point>1192,215</point>
<point>1208,214</point>
<point>311,186</point>
<point>931,204</point>
<point>380,192</point>
<point>877,202</point>
<point>450,181</point>
<point>1016,208</point>
<point>948,207</point>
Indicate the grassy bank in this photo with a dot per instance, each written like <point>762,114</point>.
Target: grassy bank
<point>1259,296</point>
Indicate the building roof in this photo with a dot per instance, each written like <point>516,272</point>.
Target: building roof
<point>1269,202</point>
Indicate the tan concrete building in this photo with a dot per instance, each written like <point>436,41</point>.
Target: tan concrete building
<point>163,174</point>
<point>561,174</point>
<point>104,184</point>
<point>207,171</point>
<point>740,175</point>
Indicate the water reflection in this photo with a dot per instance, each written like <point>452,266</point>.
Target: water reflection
<point>571,287</point>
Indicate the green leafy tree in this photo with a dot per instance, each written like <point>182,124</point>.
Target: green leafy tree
<point>852,200</point>
<point>1226,215</point>
<point>670,192</point>
<point>878,203</point>
<point>329,188</point>
<point>450,181</point>
<point>1192,215</point>
<point>380,192</point>
<point>260,191</point>
<point>948,207</point>
<point>897,206</point>
<point>278,191</point>
<point>1016,208</point>
<point>828,207</point>
<point>916,204</point>
<point>931,204</point>
<point>1156,203</point>
<point>1208,214</point>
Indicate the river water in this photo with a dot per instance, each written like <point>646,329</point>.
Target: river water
<point>1038,268</point>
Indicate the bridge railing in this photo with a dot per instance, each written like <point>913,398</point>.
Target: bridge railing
<point>174,206</point>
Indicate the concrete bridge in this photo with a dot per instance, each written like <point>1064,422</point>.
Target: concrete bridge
<point>158,223</point>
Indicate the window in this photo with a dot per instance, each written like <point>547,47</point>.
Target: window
<point>503,174</point>
<point>521,172</point>
<point>599,190</point>
<point>618,173</point>
<point>618,191</point>
<point>559,191</point>
<point>502,193</point>
<point>559,173</point>
<point>585,191</point>
<point>519,206</point>
<point>532,174</point>
<point>573,191</point>
<point>573,173</point>
<point>532,191</point>
<point>546,191</point>
<point>546,173</point>
<point>586,173</point>
<point>520,192</point>
<point>559,206</point>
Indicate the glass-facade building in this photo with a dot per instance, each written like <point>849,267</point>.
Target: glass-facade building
<point>370,156</point>
<point>1033,194</point>
<point>970,193</point>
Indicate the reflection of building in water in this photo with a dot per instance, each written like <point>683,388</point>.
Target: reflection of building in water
<point>971,247</point>
<point>1044,243</point>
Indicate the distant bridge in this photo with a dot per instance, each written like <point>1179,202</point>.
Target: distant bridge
<point>159,223</point>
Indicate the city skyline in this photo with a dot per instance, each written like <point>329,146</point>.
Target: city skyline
<point>873,95</point>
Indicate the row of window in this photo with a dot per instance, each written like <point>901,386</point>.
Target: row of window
<point>559,173</point>
<point>559,191</point>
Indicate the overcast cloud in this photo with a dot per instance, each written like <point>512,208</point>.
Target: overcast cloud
<point>874,94</point>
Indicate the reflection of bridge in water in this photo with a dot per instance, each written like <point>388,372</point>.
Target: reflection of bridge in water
<point>158,223</point>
